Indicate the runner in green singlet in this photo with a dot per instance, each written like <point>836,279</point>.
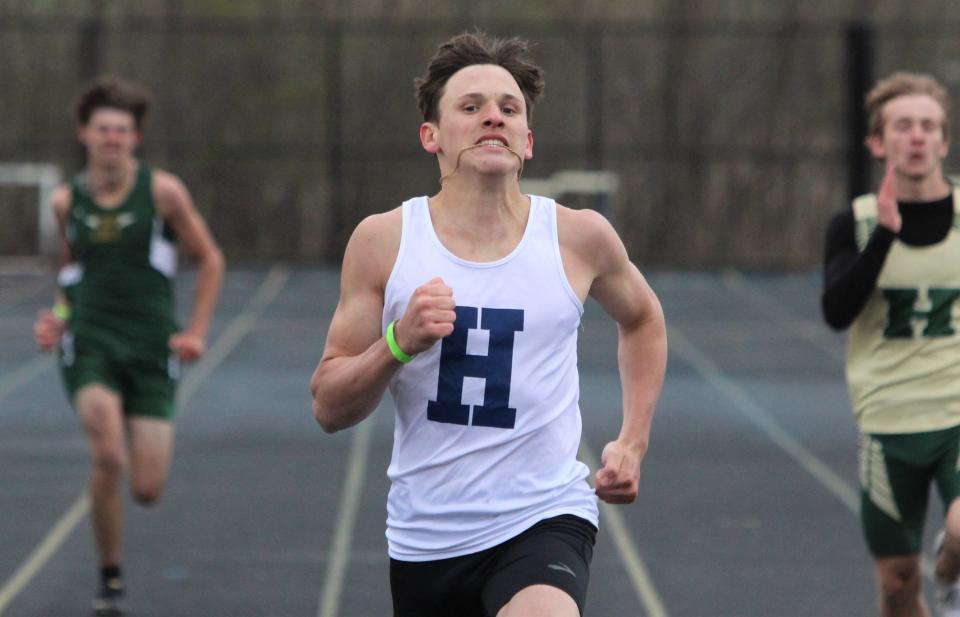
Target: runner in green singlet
<point>113,318</point>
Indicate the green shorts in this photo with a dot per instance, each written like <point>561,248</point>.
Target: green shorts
<point>895,476</point>
<point>145,375</point>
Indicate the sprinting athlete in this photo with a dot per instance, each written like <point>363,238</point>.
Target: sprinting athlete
<point>113,319</point>
<point>466,306</point>
<point>892,276</point>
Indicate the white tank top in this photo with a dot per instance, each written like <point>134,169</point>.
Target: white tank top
<point>487,422</point>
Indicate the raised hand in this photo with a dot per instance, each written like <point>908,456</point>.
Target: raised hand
<point>888,214</point>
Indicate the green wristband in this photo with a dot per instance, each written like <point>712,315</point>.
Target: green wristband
<point>61,312</point>
<point>398,353</point>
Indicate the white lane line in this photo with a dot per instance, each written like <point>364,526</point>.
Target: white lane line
<point>626,547</point>
<point>24,374</point>
<point>745,404</point>
<point>61,530</point>
<point>238,329</point>
<point>812,334</point>
<point>329,605</point>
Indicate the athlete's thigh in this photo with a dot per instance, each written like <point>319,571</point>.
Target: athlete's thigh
<point>555,553</point>
<point>100,411</point>
<point>540,601</point>
<point>948,467</point>
<point>895,477</point>
<point>151,448</point>
<point>85,360</point>
<point>440,588</point>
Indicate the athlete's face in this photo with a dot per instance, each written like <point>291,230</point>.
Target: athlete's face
<point>912,138</point>
<point>482,108</point>
<point>110,136</point>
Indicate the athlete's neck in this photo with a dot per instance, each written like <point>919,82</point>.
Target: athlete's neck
<point>108,179</point>
<point>481,203</point>
<point>476,224</point>
<point>927,188</point>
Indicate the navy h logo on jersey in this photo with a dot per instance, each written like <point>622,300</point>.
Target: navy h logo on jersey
<point>495,368</point>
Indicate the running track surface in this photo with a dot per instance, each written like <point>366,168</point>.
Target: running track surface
<point>748,500</point>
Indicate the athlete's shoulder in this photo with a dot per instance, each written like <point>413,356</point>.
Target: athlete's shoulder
<point>585,231</point>
<point>375,243</point>
<point>382,226</point>
<point>583,221</point>
<point>170,194</point>
<point>842,217</point>
<point>165,183</point>
<point>864,206</point>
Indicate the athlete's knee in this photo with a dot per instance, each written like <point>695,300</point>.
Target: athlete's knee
<point>899,582</point>
<point>147,484</point>
<point>147,497</point>
<point>108,462</point>
<point>146,493</point>
<point>951,521</point>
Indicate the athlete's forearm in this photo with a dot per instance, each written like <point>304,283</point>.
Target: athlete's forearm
<point>642,354</point>
<point>60,298</point>
<point>209,280</point>
<point>347,389</point>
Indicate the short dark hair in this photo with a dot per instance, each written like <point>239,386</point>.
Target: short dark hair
<point>469,48</point>
<point>113,92</point>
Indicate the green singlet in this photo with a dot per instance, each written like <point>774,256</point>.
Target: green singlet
<point>120,291</point>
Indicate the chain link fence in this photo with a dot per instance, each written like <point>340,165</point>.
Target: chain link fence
<point>731,139</point>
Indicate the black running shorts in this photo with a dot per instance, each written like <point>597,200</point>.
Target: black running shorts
<point>556,552</point>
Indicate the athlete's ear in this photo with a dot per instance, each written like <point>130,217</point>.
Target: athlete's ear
<point>875,145</point>
<point>428,137</point>
<point>82,134</point>
<point>528,151</point>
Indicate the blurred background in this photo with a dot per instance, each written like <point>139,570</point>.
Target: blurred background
<point>734,127</point>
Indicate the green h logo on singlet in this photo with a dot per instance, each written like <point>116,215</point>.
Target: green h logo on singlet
<point>901,311</point>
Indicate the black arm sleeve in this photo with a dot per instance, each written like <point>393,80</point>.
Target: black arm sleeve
<point>849,275</point>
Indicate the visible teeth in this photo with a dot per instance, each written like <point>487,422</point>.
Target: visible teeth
<point>491,142</point>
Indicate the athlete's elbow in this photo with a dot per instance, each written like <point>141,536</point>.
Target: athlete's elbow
<point>331,416</point>
<point>321,411</point>
<point>837,319</point>
<point>836,325</point>
<point>337,404</point>
<point>324,414</point>
<point>214,260</point>
<point>325,419</point>
<point>334,416</point>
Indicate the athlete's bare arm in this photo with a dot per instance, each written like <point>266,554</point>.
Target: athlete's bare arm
<point>48,328</point>
<point>357,364</point>
<point>176,207</point>
<point>597,265</point>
